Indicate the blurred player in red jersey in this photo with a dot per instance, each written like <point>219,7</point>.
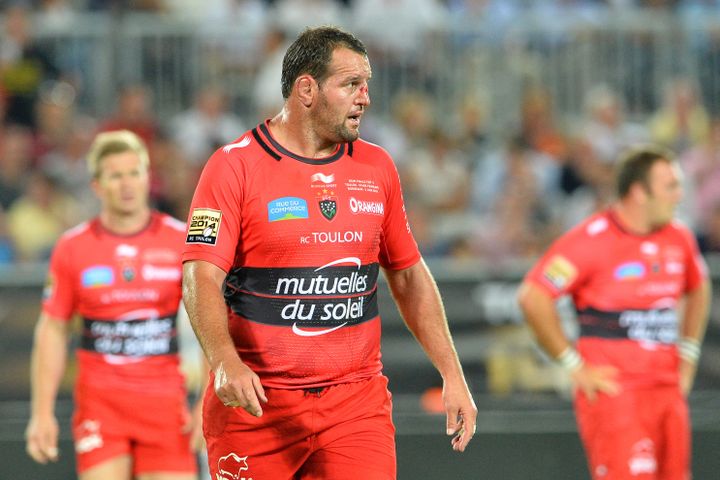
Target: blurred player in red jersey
<point>293,222</point>
<point>121,273</point>
<point>642,296</point>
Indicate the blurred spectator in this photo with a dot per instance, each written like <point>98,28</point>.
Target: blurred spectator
<point>134,112</point>
<point>701,164</point>
<point>7,250</point>
<point>206,126</point>
<point>500,169</point>
<point>267,94</point>
<point>67,164</point>
<point>399,36</point>
<point>538,126</point>
<point>411,126</point>
<point>293,16</point>
<point>120,6</point>
<point>436,180</point>
<point>514,192</point>
<point>470,129</point>
<point>39,216</point>
<point>708,64</point>
<point>55,114</point>
<point>605,128</point>
<point>682,120</point>
<point>709,234</point>
<point>219,10</point>
<point>398,28</point>
<point>16,150</point>
<point>55,14</point>
<point>175,177</point>
<point>24,66</point>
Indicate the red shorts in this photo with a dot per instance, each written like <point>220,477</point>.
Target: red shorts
<point>342,432</point>
<point>639,434</point>
<point>110,423</point>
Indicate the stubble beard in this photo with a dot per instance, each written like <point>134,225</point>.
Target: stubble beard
<point>346,134</point>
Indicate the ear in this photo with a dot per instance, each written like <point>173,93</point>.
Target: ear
<point>638,192</point>
<point>306,87</point>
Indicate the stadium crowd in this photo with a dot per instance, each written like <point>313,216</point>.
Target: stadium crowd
<point>471,192</point>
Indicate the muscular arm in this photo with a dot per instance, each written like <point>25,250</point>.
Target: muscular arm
<point>693,325</point>
<point>419,302</point>
<point>543,319</point>
<point>47,366</point>
<point>235,384</point>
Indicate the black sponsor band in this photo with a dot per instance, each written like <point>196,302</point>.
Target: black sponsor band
<point>136,338</point>
<point>654,325</point>
<point>305,297</point>
<point>333,281</point>
<point>306,312</point>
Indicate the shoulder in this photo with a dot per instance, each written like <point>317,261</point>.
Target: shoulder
<point>365,151</point>
<point>677,228</point>
<point>77,232</point>
<point>74,238</point>
<point>236,153</point>
<point>594,227</point>
<point>170,222</point>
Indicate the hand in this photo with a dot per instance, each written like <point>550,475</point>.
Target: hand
<point>193,426</point>
<point>461,414</point>
<point>687,376</point>
<point>238,386</point>
<point>592,380</point>
<point>42,439</point>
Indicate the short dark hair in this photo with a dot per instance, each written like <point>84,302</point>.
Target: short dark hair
<point>635,164</point>
<point>311,53</point>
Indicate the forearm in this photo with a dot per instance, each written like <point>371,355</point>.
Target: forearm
<point>202,295</point>
<point>543,319</point>
<point>420,305</point>
<point>47,366</point>
<point>695,315</point>
<point>693,324</point>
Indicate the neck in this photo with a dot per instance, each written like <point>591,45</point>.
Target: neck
<point>632,218</point>
<point>298,136</point>
<point>125,223</point>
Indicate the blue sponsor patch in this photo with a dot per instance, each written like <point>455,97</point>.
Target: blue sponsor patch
<point>99,276</point>
<point>287,208</point>
<point>630,271</point>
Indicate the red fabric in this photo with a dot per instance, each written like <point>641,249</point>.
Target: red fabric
<point>109,423</point>
<point>607,269</point>
<point>100,275</point>
<point>642,434</point>
<point>342,432</point>
<point>267,204</point>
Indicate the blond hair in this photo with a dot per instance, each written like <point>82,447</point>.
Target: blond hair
<point>118,141</point>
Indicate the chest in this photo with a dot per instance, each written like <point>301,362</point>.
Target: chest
<point>116,274</point>
<point>642,270</point>
<point>300,210</point>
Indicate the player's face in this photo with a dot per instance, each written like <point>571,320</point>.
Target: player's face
<point>343,96</point>
<point>122,184</point>
<point>665,192</point>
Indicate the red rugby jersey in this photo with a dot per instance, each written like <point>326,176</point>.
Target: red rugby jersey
<point>626,289</point>
<point>127,289</point>
<point>302,241</point>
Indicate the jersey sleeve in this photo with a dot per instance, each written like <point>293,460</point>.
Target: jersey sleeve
<point>696,269</point>
<point>564,266</point>
<point>398,249</point>
<point>59,295</point>
<point>213,226</point>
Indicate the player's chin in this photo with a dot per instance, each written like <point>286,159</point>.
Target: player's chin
<point>349,135</point>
